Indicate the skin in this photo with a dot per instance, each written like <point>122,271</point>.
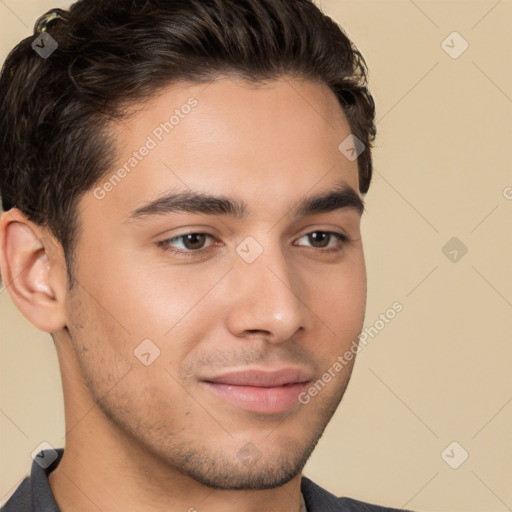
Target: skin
<point>155,437</point>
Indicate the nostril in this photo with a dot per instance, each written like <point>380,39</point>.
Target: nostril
<point>259,333</point>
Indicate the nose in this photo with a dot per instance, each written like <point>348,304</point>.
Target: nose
<point>266,298</point>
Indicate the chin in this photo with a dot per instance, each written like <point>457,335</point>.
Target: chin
<point>237,477</point>
<point>249,469</point>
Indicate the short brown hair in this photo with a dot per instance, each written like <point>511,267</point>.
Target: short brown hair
<point>55,111</point>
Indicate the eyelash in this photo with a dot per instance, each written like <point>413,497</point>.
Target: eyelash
<point>167,248</point>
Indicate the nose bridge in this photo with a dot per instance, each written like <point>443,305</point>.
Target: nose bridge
<point>267,299</point>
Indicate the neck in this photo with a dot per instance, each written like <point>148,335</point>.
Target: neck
<point>90,478</point>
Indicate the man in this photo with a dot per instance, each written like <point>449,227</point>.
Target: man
<point>182,184</point>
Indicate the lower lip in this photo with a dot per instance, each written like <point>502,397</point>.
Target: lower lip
<point>257,399</point>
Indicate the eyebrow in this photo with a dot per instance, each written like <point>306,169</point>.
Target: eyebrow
<point>341,197</point>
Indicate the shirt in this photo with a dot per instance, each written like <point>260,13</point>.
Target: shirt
<point>34,494</point>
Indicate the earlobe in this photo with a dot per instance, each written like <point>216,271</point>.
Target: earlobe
<point>31,267</point>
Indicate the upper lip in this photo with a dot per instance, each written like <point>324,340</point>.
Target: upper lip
<point>262,378</point>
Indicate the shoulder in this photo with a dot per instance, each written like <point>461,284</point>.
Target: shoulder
<point>320,500</point>
<point>34,493</point>
<point>21,500</point>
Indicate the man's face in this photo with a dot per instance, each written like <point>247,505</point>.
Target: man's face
<point>251,310</point>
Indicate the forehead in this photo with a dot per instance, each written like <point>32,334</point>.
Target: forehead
<point>229,137</point>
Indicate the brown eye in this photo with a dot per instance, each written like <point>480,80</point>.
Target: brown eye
<point>186,244</point>
<point>194,240</point>
<point>322,239</point>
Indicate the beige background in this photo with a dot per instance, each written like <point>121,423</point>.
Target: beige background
<point>441,370</point>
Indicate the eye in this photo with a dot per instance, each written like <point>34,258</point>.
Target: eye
<point>321,239</point>
<point>192,243</point>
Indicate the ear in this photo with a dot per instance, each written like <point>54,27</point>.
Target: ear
<point>33,269</point>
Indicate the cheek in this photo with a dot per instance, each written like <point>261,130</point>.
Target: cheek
<point>339,303</point>
<point>98,342</point>
<point>354,302</point>
<point>142,298</point>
